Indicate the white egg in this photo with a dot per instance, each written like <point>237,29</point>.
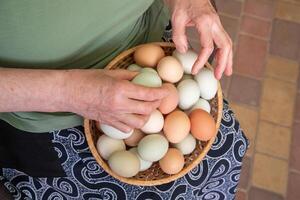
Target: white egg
<point>148,79</point>
<point>114,133</point>
<point>207,82</point>
<point>187,59</point>
<point>143,163</point>
<point>155,123</point>
<point>124,163</point>
<point>134,68</point>
<point>187,145</point>
<point>189,93</point>
<point>148,69</point>
<point>107,145</point>
<point>153,147</point>
<point>202,104</point>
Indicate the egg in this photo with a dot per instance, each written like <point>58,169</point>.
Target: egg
<point>207,82</point>
<point>203,126</point>
<point>153,147</point>
<point>187,145</point>
<point>148,79</point>
<point>177,126</point>
<point>170,69</point>
<point>187,76</point>
<point>170,102</point>
<point>144,165</point>
<point>155,123</point>
<point>114,133</point>
<point>202,104</point>
<point>187,59</point>
<point>134,68</point>
<point>172,162</point>
<point>107,145</point>
<point>124,163</point>
<point>148,55</point>
<point>148,69</point>
<point>134,139</point>
<point>189,93</point>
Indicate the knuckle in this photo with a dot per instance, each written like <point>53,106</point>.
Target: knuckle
<point>147,109</point>
<point>204,19</point>
<point>140,123</point>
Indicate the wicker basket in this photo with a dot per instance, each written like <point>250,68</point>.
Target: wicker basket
<point>154,175</point>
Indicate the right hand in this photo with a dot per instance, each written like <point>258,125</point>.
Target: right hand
<point>110,98</point>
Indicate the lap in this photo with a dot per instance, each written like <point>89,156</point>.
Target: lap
<point>216,177</point>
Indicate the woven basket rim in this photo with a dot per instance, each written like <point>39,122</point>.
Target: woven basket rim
<point>184,171</point>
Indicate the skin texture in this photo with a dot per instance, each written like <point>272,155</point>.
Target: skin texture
<point>109,96</point>
<point>103,95</point>
<point>201,15</point>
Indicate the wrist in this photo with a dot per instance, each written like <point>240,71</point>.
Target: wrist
<point>65,90</point>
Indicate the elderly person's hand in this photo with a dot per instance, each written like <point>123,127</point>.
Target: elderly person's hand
<point>109,97</point>
<point>201,15</point>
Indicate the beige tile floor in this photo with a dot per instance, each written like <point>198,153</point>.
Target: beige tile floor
<point>264,92</point>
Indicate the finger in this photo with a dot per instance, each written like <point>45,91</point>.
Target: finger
<point>121,74</point>
<point>179,37</point>
<point>228,70</point>
<point>141,107</point>
<point>224,47</point>
<point>134,121</point>
<point>207,45</point>
<point>120,126</point>
<point>139,92</point>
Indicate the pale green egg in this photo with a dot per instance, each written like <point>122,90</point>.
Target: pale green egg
<point>148,69</point>
<point>134,68</point>
<point>148,79</point>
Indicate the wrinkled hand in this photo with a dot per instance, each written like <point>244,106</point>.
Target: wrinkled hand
<point>201,15</point>
<point>109,97</point>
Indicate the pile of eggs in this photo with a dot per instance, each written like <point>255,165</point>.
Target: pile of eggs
<point>173,130</point>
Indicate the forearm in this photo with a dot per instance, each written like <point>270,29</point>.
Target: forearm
<point>32,90</point>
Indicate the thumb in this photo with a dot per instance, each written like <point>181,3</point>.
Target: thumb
<point>121,74</point>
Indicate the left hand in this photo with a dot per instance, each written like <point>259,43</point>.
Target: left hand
<point>201,15</point>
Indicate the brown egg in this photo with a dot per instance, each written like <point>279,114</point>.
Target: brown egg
<point>170,69</point>
<point>169,103</point>
<point>203,126</point>
<point>177,126</point>
<point>134,139</point>
<point>148,55</point>
<point>172,162</point>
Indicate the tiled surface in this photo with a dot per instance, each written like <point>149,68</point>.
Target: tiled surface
<point>297,109</point>
<point>264,93</point>
<point>288,11</point>
<point>295,148</point>
<point>241,195</point>
<point>270,173</point>
<point>245,90</point>
<point>245,175</point>
<point>231,7</point>
<point>285,40</point>
<point>259,194</point>
<point>281,68</point>
<point>231,25</point>
<point>250,56</point>
<point>274,140</point>
<point>255,26</point>
<point>277,102</point>
<point>248,118</point>
<point>260,8</point>
<point>294,185</point>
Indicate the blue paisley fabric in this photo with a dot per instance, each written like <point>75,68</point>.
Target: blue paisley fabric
<point>215,178</point>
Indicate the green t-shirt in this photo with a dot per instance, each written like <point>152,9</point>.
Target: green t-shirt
<point>71,34</point>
